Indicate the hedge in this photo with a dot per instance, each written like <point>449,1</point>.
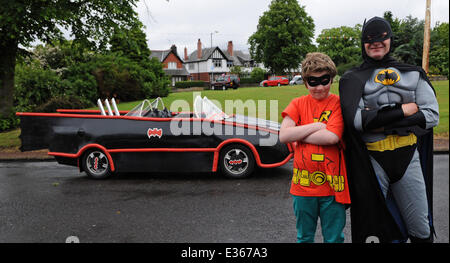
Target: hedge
<point>189,84</point>
<point>250,80</point>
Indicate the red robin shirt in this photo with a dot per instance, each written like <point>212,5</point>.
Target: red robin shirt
<point>319,170</point>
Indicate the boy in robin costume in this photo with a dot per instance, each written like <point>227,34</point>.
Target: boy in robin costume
<point>389,109</point>
<point>313,123</point>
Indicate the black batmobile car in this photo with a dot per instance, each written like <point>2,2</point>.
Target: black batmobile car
<point>147,139</point>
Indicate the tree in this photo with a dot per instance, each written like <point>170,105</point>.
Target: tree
<point>283,37</point>
<point>145,74</point>
<point>21,22</point>
<point>258,74</point>
<point>440,49</point>
<point>408,41</point>
<point>236,70</point>
<point>131,42</point>
<point>342,44</point>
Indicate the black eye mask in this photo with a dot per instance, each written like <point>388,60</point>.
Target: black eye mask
<point>376,30</point>
<point>316,81</point>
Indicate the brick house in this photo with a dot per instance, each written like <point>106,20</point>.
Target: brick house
<point>206,63</point>
<point>241,59</point>
<point>173,65</point>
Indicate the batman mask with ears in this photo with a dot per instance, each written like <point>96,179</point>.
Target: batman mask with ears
<point>377,29</point>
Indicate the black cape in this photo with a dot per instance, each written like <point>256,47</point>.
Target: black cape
<point>371,213</point>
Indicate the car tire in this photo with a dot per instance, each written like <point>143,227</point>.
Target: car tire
<point>265,85</point>
<point>236,161</point>
<point>96,164</point>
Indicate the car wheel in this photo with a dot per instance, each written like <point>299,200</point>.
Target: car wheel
<point>96,164</point>
<point>236,161</point>
<point>265,84</point>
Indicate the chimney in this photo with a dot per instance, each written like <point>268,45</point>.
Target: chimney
<point>199,49</point>
<point>230,48</point>
<point>185,54</point>
<point>174,49</point>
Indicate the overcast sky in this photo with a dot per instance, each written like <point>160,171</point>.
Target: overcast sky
<point>183,22</point>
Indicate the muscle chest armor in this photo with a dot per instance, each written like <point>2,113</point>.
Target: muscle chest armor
<point>387,86</point>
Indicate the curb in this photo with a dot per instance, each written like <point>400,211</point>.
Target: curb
<point>26,160</point>
<point>51,159</point>
<point>440,145</point>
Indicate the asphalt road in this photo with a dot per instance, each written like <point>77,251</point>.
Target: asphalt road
<point>48,202</point>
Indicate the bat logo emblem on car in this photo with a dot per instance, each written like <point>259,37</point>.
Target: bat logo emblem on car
<point>155,132</point>
<point>235,162</point>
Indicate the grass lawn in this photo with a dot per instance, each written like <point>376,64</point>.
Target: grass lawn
<point>283,95</point>
<point>248,100</point>
<point>441,88</point>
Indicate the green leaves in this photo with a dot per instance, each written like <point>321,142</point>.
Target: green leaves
<point>131,42</point>
<point>342,44</point>
<point>439,59</point>
<point>283,36</point>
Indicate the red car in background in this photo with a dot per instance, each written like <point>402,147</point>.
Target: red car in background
<point>274,81</point>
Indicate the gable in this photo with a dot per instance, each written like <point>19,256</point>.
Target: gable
<point>163,55</point>
<point>217,54</point>
<point>207,53</point>
<point>172,57</point>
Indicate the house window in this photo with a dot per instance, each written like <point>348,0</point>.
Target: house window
<point>217,63</point>
<point>172,65</point>
<point>229,64</point>
<point>191,66</point>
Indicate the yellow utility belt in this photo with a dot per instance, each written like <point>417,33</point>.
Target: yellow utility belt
<point>304,178</point>
<point>392,142</point>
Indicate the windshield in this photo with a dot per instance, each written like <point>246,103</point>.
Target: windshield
<point>221,78</point>
<point>204,108</point>
<point>144,107</point>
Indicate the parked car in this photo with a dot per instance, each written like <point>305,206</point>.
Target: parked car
<point>225,82</point>
<point>274,81</point>
<point>147,139</point>
<point>296,80</point>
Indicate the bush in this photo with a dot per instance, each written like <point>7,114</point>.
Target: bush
<point>63,102</point>
<point>258,74</point>
<point>35,85</point>
<point>110,75</point>
<point>189,84</point>
<point>10,122</point>
<point>250,80</point>
<point>80,81</point>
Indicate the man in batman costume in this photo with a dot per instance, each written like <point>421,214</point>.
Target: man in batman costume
<point>389,110</point>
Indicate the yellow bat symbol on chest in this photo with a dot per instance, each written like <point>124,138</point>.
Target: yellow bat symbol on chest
<point>387,77</point>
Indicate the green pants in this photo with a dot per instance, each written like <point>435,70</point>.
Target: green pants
<point>308,209</point>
